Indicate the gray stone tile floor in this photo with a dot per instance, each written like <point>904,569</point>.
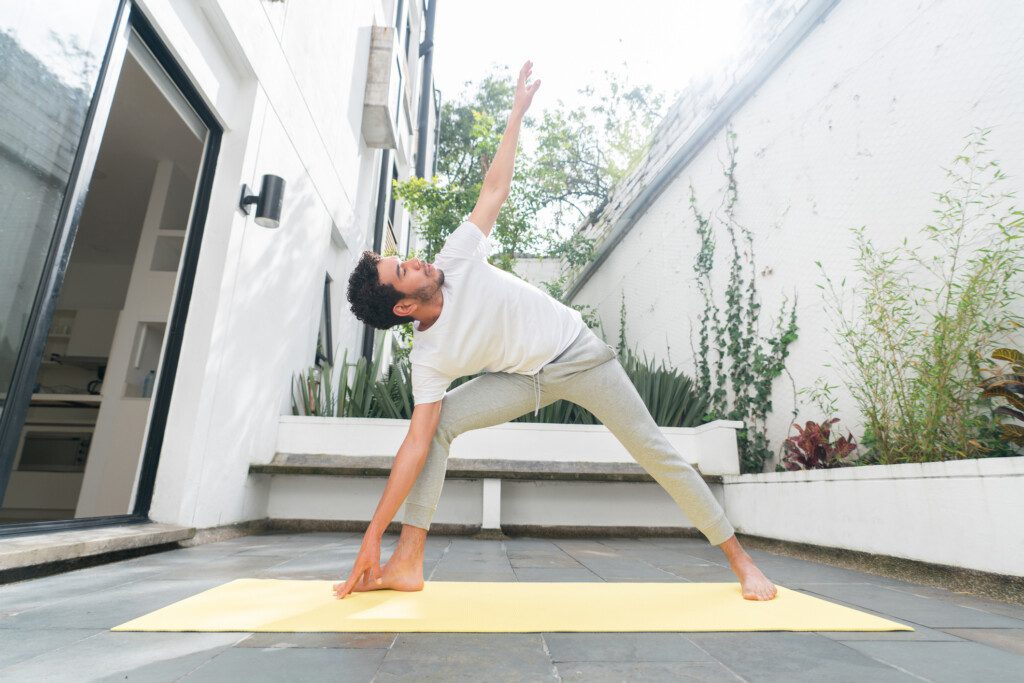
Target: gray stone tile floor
<point>56,628</point>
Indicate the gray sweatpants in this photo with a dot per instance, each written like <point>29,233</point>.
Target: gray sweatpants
<point>588,374</point>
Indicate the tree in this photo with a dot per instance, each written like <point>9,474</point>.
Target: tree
<point>567,164</point>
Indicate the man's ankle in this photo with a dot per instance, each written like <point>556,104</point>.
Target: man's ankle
<point>410,545</point>
<point>406,557</point>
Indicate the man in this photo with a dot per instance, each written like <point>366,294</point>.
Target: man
<point>468,317</point>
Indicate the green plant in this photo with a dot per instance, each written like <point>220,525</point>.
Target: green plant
<point>569,160</point>
<point>736,366</point>
<point>907,348</point>
<point>360,393</point>
<point>311,392</point>
<point>1007,385</point>
<point>820,394</point>
<point>816,447</point>
<point>363,391</point>
<point>668,394</point>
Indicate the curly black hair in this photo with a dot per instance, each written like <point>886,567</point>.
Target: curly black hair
<point>371,301</point>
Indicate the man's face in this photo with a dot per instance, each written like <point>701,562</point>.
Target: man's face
<point>417,280</point>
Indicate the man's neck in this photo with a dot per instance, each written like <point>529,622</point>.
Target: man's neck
<point>432,314</point>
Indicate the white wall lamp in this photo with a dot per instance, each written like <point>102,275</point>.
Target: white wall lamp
<point>268,202</point>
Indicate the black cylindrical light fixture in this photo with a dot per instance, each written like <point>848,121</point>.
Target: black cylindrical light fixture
<point>268,202</point>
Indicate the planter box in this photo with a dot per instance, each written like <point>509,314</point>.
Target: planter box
<point>962,513</point>
<point>711,447</point>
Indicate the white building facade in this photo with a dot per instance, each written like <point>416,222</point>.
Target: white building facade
<point>155,329</point>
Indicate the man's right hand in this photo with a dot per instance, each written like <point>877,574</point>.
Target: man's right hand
<point>523,97</point>
<point>367,564</point>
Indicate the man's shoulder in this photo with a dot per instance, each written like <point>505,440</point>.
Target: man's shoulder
<point>466,241</point>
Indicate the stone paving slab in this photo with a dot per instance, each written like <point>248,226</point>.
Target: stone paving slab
<point>378,641</point>
<point>47,623</point>
<point>775,656</point>
<point>111,656</point>
<point>468,656</point>
<point>649,672</point>
<point>22,644</point>
<point>916,608</point>
<point>964,661</point>
<point>308,665</point>
<point>107,608</point>
<point>1008,639</point>
<point>623,647</point>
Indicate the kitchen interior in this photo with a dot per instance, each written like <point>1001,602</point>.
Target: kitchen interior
<point>80,446</point>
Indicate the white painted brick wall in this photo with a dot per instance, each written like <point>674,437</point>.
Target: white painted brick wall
<point>853,128</point>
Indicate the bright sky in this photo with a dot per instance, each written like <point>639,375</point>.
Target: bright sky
<point>571,42</point>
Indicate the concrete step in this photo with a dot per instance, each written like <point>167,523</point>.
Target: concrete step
<point>18,552</point>
<point>484,493</point>
<point>460,468</point>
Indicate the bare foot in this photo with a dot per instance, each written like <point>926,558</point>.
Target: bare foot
<point>396,574</point>
<point>755,585</point>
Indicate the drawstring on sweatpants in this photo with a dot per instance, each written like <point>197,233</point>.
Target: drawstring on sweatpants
<point>536,388</point>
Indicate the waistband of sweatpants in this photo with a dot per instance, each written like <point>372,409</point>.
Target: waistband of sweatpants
<point>578,339</point>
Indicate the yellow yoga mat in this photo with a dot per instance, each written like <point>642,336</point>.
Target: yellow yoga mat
<point>277,605</point>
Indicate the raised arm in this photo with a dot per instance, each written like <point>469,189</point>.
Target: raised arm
<point>498,179</point>
<point>404,471</point>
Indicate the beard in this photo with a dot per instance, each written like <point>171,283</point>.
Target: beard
<point>427,292</point>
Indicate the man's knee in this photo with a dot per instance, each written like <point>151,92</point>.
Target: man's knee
<point>447,427</point>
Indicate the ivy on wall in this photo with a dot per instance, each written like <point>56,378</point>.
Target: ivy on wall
<point>735,365</point>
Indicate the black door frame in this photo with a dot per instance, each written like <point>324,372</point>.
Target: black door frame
<point>128,17</point>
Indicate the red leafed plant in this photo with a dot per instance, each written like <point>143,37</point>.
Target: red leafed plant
<point>815,447</point>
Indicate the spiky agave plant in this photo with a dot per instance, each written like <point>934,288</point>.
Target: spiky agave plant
<point>312,394</point>
<point>364,391</point>
<point>1008,385</point>
<point>669,395</point>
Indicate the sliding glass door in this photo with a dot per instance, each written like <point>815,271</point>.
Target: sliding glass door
<point>53,56</point>
<point>107,158</point>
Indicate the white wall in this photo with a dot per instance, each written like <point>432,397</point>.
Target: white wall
<point>287,81</point>
<point>853,128</point>
<point>538,270</point>
<point>960,513</point>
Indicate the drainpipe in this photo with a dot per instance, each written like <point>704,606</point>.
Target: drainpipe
<point>437,131</point>
<point>427,50</point>
<point>426,90</point>
<point>378,236</point>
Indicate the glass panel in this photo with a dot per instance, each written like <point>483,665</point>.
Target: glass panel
<point>51,54</point>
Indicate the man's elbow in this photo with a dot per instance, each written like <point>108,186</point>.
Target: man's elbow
<point>425,418</point>
<point>495,192</point>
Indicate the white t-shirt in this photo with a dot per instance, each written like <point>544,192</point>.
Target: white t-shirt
<point>491,321</point>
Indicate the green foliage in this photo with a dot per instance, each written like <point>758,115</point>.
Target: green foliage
<point>908,346</point>
<point>311,392</point>
<point>575,251</point>
<point>621,348</point>
<point>735,365</point>
<point>668,394</point>
<point>364,392</point>
<point>565,168</point>
<point>567,163</point>
<point>1003,392</point>
<point>816,447</point>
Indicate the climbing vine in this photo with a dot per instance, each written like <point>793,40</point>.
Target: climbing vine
<point>732,359</point>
